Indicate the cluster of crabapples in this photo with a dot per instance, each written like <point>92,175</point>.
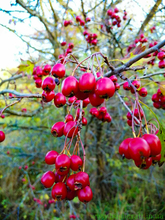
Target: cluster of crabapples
<point>142,91</point>
<point>158,100</point>
<point>66,185</point>
<point>115,19</point>
<point>145,150</point>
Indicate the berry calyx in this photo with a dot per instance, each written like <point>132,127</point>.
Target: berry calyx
<point>81,180</point>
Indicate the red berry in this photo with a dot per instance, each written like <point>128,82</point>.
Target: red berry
<point>48,179</point>
<point>46,70</point>
<point>38,82</point>
<point>129,122</point>
<point>48,96</point>
<point>161,64</point>
<point>85,195</point>
<point>72,99</point>
<point>162,100</point>
<point>94,112</point>
<point>58,70</point>
<point>50,157</point>
<point>86,102</point>
<point>59,191</point>
<point>155,98</point>
<point>59,100</point>
<point>116,10</point>
<point>123,148</point>
<point>69,118</point>
<point>143,92</point>
<point>81,95</point>
<point>109,12</point>
<point>57,129</point>
<point>88,19</point>
<point>70,45</point>
<point>63,43</point>
<point>144,164</point>
<point>81,180</point>
<point>161,55</point>
<point>66,23</point>
<point>107,117</point>
<point>70,129</point>
<point>84,121</point>
<point>113,78</point>
<point>124,17</point>
<point>126,86</point>
<point>78,18</point>
<point>70,196</point>
<point>60,178</point>
<point>39,71</point>
<point>69,86</point>
<point>95,100</point>
<point>157,105</point>
<point>48,84</point>
<point>129,116</point>
<point>138,149</point>
<point>87,82</point>
<point>82,22</point>
<point>117,86</point>
<point>62,164</point>
<point>156,159</point>
<point>136,84</point>
<point>76,163</point>
<point>104,88</point>
<point>94,42</point>
<point>2,136</point>
<point>154,143</point>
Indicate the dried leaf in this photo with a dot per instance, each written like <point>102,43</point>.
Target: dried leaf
<point>162,87</point>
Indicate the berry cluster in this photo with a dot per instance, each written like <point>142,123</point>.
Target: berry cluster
<point>101,114</point>
<point>145,151</point>
<point>161,57</point>
<point>142,91</point>
<point>158,100</point>
<point>115,19</point>
<point>67,51</point>
<point>138,114</point>
<point>66,186</point>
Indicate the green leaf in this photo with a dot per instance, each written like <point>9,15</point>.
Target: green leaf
<point>161,135</point>
<point>25,67</point>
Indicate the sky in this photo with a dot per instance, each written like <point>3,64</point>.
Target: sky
<point>12,48</point>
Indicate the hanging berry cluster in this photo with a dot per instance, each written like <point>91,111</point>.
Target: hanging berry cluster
<point>158,100</point>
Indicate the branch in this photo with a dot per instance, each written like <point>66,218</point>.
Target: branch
<point>150,16</point>
<point>54,14</point>
<point>20,95</point>
<point>122,68</point>
<point>11,78</point>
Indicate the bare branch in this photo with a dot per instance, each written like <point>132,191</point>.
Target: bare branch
<point>20,95</point>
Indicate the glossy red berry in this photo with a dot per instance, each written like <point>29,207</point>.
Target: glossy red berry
<point>117,86</point>
<point>155,98</point>
<point>81,95</point>
<point>143,92</point>
<point>48,179</point>
<point>69,118</point>
<point>70,182</point>
<point>57,129</point>
<point>159,93</point>
<point>161,64</point>
<point>94,112</point>
<point>62,164</point>
<point>63,43</point>
<point>129,122</point>
<point>50,157</point>
<point>129,116</point>
<point>95,100</point>
<point>109,12</point>
<point>81,180</point>
<point>161,55</point>
<point>107,118</point>
<point>58,70</point>
<point>86,102</point>
<point>76,163</point>
<point>88,19</point>
<point>94,42</point>
<point>46,70</point>
<point>105,88</point>
<point>82,22</point>
<point>48,96</point>
<point>38,83</point>
<point>78,18</point>
<point>136,83</point>
<point>69,86</point>
<point>87,82</point>
<point>71,45</point>
<point>72,99</point>
<point>144,164</point>
<point>85,195</point>
<point>59,191</point>
<point>2,136</point>
<point>39,71</point>
<point>154,143</point>
<point>70,129</point>
<point>84,121</point>
<point>156,159</point>
<point>59,100</point>
<point>138,149</point>
<point>123,148</point>
<point>48,84</point>
<point>126,86</point>
<point>157,105</point>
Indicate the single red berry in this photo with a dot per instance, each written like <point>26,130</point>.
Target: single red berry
<point>50,157</point>
<point>94,112</point>
<point>126,86</point>
<point>58,70</point>
<point>82,22</point>
<point>123,148</point>
<point>162,100</point>
<point>69,86</point>
<point>38,82</point>
<point>109,12</point>
<point>70,196</point>
<point>48,84</point>
<point>113,78</point>
<point>70,182</point>
<point>59,191</point>
<point>39,71</point>
<point>159,93</point>
<point>157,105</point>
<point>88,19</point>
<point>103,111</point>
<point>136,84</point>
<point>85,195</point>
<point>62,164</point>
<point>155,98</point>
<point>95,100</point>
<point>154,143</point>
<point>70,129</point>
<point>129,122</point>
<point>84,121</point>
<point>72,99</point>
<point>81,180</point>
<point>94,42</point>
<point>129,116</point>
<point>63,43</point>
<point>48,179</point>
<point>141,35</point>
<point>59,100</point>
<point>46,70</point>
<point>124,17</point>
<point>26,167</point>
<point>161,64</point>
<point>76,163</point>
<point>143,92</point>
<point>69,118</point>
<point>94,35</point>
<point>70,45</point>
<point>117,86</point>
<point>116,10</point>
<point>107,117</point>
<point>87,82</point>
<point>161,55</point>
<point>138,149</point>
<point>66,23</point>
<point>48,96</point>
<point>86,102</point>
<point>105,88</point>
<point>78,18</point>
<point>57,129</point>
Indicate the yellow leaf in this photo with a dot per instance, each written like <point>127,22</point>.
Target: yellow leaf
<point>46,196</point>
<point>25,67</point>
<point>162,87</point>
